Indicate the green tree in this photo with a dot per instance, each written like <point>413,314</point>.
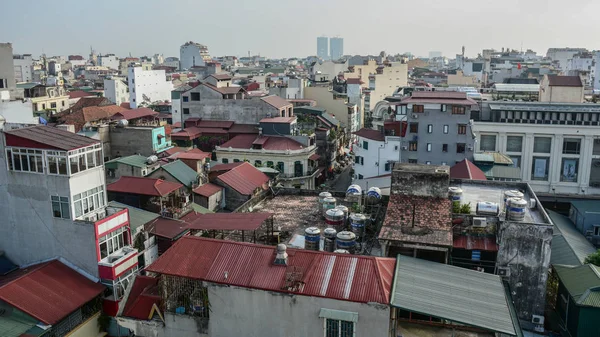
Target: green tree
<point>594,258</point>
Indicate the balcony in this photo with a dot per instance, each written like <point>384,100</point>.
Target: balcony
<point>173,206</point>
<point>297,175</point>
<point>112,266</point>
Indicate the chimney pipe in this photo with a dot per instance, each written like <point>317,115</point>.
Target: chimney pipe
<point>281,257</point>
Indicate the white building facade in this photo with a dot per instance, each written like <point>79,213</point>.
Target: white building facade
<point>116,91</point>
<point>148,86</point>
<point>374,153</point>
<point>193,54</point>
<point>109,61</point>
<point>23,68</point>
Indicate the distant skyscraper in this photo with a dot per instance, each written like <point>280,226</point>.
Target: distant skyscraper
<point>336,47</point>
<point>322,47</point>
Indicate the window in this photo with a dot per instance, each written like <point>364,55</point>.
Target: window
<point>63,103</point>
<point>596,230</point>
<point>412,161</point>
<point>446,129</point>
<point>270,164</point>
<point>388,166</point>
<point>359,160</point>
<point>53,105</point>
<point>88,201</point>
<point>413,146</point>
<point>458,110</point>
<point>185,98</point>
<point>43,106</point>
<point>225,161</point>
<point>516,161</point>
<point>186,111</point>
<point>428,147</point>
<point>542,144</point>
<point>402,110</point>
<point>280,166</point>
<point>487,143</point>
<point>570,167</point>
<point>134,100</point>
<point>571,146</point>
<point>25,160</point>
<point>60,207</point>
<point>236,160</point>
<point>257,163</point>
<point>514,143</point>
<point>540,168</point>
<point>56,162</point>
<point>462,129</point>
<point>414,128</point>
<point>596,148</point>
<point>337,328</point>
<point>444,147</point>
<point>113,241</point>
<point>360,177</point>
<point>418,108</point>
<point>460,147</point>
<point>429,128</point>
<point>195,96</point>
<point>443,107</point>
<point>2,83</point>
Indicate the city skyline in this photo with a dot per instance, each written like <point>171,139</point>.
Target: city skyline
<point>424,30</point>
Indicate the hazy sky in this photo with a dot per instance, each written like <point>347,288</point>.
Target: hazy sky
<point>286,28</point>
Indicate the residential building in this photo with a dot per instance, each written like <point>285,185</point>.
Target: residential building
<point>577,299</point>
<point>7,72</point>
<point>171,62</point>
<point>321,307</point>
<point>336,104</point>
<point>23,68</point>
<point>116,90</point>
<point>386,79</point>
<point>16,114</point>
<point>293,88</point>
<point>89,111</point>
<point>561,89</point>
<point>124,64</point>
<point>240,182</point>
<point>460,79</point>
<point>437,128</point>
<point>50,298</point>
<point>376,152</point>
<point>596,71</point>
<point>193,54</point>
<point>554,144</point>
<point>585,219</point>
<point>562,55</point>
<point>177,172</point>
<point>176,112</point>
<point>53,99</point>
<point>147,86</point>
<point>323,47</point>
<point>582,65</point>
<point>146,139</point>
<point>109,61</point>
<point>336,48</point>
<point>326,71</point>
<point>133,166</point>
<point>297,162</point>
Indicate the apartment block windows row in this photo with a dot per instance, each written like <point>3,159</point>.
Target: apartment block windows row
<point>88,201</point>
<point>540,168</point>
<point>113,241</point>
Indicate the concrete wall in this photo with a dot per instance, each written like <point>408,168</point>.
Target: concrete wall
<point>116,91</point>
<point>212,203</point>
<point>335,107</point>
<point>174,326</point>
<point>86,329</point>
<point>525,250</point>
<point>557,94</point>
<point>151,83</point>
<point>420,180</point>
<point>7,68</point>
<point>389,80</point>
<point>18,112</point>
<point>376,156</point>
<point>23,68</point>
<point>233,199</point>
<point>131,140</point>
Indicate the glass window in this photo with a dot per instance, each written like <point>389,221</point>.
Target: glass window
<point>280,166</point>
<point>60,207</point>
<point>571,146</point>
<point>570,167</point>
<point>270,164</point>
<point>62,165</point>
<point>185,98</point>
<point>388,166</point>
<point>446,129</point>
<point>257,163</point>
<point>462,129</point>
<point>596,149</point>
<point>488,143</point>
<point>195,96</point>
<point>74,164</point>
<point>413,146</point>
<point>429,128</point>
<point>514,143</point>
<point>88,201</point>
<point>90,159</point>
<point>418,108</point>
<point>428,147</point>
<point>458,110</point>
<point>540,168</point>
<point>444,147</point>
<point>236,160</point>
<point>365,145</point>
<point>542,144</point>
<point>225,161</point>
<point>186,111</point>
<point>460,147</point>
<point>516,161</point>
<point>82,166</point>
<point>414,128</point>
<point>337,328</point>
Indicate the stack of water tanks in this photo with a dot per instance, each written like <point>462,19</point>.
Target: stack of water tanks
<point>354,193</point>
<point>358,222</point>
<point>335,217</point>
<point>511,194</point>
<point>328,203</point>
<point>312,238</point>
<point>345,210</point>
<point>346,240</point>
<point>322,197</point>
<point>330,235</point>
<point>516,209</point>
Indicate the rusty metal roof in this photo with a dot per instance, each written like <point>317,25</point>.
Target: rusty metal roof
<point>143,186</point>
<point>207,190</point>
<point>229,221</point>
<point>344,277</point>
<point>244,178</point>
<point>48,137</point>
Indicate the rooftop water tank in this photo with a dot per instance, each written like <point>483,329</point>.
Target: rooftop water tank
<point>312,238</point>
<point>341,251</point>
<point>335,217</point>
<point>151,160</point>
<point>353,190</point>
<point>487,208</point>
<point>358,222</point>
<point>346,240</point>
<point>374,195</point>
<point>322,196</point>
<point>328,203</point>
<point>516,209</point>
<point>122,123</point>
<point>330,235</point>
<point>455,194</point>
<point>345,210</point>
<point>511,194</point>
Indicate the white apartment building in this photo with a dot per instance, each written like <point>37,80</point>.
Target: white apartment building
<point>557,146</point>
<point>193,54</point>
<point>23,68</point>
<point>116,90</point>
<point>375,153</point>
<point>109,61</point>
<point>563,55</point>
<point>147,86</point>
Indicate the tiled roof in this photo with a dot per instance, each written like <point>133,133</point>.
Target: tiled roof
<point>466,170</point>
<point>79,94</point>
<point>275,143</point>
<point>90,101</point>
<point>276,101</point>
<point>166,228</point>
<point>180,171</point>
<point>78,117</point>
<point>173,150</point>
<point>207,190</point>
<point>370,134</point>
<point>48,291</point>
<point>229,221</point>
<point>143,295</point>
<point>244,178</point>
<point>50,137</point>
<point>363,279</point>
<point>143,186</point>
<point>424,220</point>
<point>281,120</point>
<point>564,81</point>
<point>135,113</point>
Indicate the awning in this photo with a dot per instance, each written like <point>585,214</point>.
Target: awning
<point>314,156</point>
<point>339,315</point>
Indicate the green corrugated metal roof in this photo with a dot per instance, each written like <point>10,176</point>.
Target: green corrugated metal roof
<point>200,209</point>
<point>578,280</point>
<point>591,299</point>
<point>586,205</point>
<point>315,110</point>
<point>180,171</point>
<point>16,324</point>
<point>502,172</point>
<point>136,160</point>
<point>492,157</point>
<point>483,157</point>
<point>27,85</point>
<point>452,293</point>
<point>137,217</point>
<point>569,246</point>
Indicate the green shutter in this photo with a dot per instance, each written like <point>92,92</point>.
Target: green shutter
<point>365,145</point>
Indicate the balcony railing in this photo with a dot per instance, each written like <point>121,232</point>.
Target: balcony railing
<point>308,173</point>
<point>118,257</point>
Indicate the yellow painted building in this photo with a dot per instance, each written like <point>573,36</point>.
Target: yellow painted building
<point>55,98</point>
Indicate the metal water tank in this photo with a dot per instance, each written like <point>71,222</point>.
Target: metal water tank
<point>335,217</point>
<point>341,251</point>
<point>511,194</point>
<point>322,196</point>
<point>312,238</point>
<point>151,160</point>
<point>328,203</point>
<point>353,190</point>
<point>346,240</point>
<point>374,195</point>
<point>329,244</point>
<point>516,209</point>
<point>358,222</point>
<point>487,208</point>
<point>455,194</point>
<point>345,210</point>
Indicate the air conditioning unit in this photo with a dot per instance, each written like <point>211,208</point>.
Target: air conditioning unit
<point>404,148</point>
<point>503,271</point>
<point>537,319</point>
<point>479,222</point>
<point>415,116</point>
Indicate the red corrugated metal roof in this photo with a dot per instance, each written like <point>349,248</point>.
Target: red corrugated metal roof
<point>207,189</point>
<point>276,143</point>
<point>345,277</point>
<point>466,170</point>
<point>143,295</point>
<point>193,154</point>
<point>244,178</point>
<point>48,137</point>
<point>375,135</point>
<point>229,221</point>
<point>167,228</point>
<point>225,167</point>
<point>49,291</point>
<point>475,243</point>
<point>143,186</point>
<point>79,94</point>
